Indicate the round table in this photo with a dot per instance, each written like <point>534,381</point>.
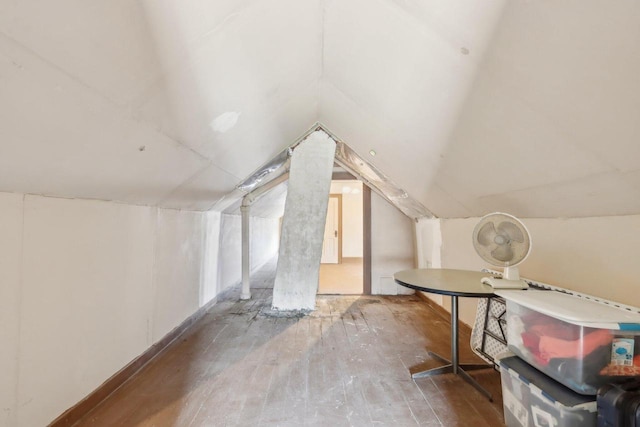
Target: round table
<point>454,283</point>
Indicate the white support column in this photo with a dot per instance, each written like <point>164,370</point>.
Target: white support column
<point>296,282</point>
<point>246,252</point>
<point>245,210</point>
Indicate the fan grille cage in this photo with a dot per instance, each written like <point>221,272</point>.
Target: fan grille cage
<point>501,239</point>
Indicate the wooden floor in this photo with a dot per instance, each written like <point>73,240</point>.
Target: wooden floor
<point>345,364</point>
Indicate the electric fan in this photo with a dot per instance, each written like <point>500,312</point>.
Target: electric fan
<point>502,240</point>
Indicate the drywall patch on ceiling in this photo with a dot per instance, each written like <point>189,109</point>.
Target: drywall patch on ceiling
<point>225,121</point>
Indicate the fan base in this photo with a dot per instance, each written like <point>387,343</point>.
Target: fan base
<point>498,283</point>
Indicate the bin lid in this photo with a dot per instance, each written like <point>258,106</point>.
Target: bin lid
<point>574,309</point>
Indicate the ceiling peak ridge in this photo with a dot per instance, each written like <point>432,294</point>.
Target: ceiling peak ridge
<point>347,158</point>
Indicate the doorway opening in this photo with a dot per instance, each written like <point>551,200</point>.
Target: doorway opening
<point>343,265</point>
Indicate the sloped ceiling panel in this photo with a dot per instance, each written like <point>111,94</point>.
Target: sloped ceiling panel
<point>551,127</point>
<point>104,46</point>
<point>122,100</point>
<point>526,107</point>
<point>395,77</point>
<point>540,119</point>
<point>260,63</point>
<point>61,138</point>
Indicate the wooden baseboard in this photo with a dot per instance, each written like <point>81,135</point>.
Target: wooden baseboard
<point>86,405</point>
<point>442,311</point>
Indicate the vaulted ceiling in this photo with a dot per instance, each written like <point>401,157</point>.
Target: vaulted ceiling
<point>527,107</point>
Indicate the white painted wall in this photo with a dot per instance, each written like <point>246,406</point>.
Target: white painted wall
<point>352,231</point>
<point>457,252</point>
<point>179,269</point>
<point>392,247</point>
<point>352,214</point>
<point>265,235</point>
<point>230,259</point>
<point>428,243</point>
<point>10,298</point>
<point>210,285</point>
<point>86,287</point>
<point>596,255</point>
<point>86,282</point>
<point>428,249</point>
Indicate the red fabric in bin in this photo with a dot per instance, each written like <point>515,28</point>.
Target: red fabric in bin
<point>547,338</point>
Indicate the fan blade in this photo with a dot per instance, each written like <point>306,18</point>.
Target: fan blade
<point>486,234</point>
<point>502,253</point>
<point>511,231</point>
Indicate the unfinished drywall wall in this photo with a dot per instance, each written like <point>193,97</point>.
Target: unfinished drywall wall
<point>595,255</point>
<point>230,258</point>
<point>10,297</point>
<point>211,261</point>
<point>391,246</point>
<point>87,279</point>
<point>428,248</point>
<point>457,252</point>
<point>265,234</point>
<point>305,212</point>
<point>178,272</point>
<point>89,286</point>
<point>598,255</point>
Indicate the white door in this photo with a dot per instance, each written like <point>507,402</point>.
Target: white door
<point>331,243</point>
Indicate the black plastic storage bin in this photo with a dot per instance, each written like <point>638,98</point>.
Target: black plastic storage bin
<point>532,399</point>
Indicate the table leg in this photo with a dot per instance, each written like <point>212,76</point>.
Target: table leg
<point>453,366</point>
